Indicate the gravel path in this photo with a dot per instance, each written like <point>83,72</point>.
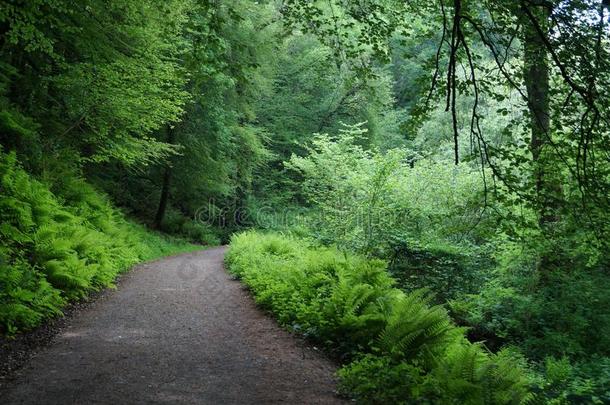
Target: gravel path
<point>178,330</point>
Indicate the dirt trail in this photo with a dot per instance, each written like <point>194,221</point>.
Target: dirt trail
<point>178,330</point>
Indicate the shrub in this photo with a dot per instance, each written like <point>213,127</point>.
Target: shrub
<point>199,232</point>
<point>56,247</point>
<point>177,223</point>
<point>377,380</point>
<point>562,382</point>
<point>447,270</point>
<point>349,304</point>
<point>566,316</point>
<point>365,198</point>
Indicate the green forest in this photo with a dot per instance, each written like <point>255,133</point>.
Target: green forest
<point>421,188</point>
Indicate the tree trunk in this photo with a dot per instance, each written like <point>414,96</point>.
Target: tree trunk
<point>536,77</point>
<point>167,175</point>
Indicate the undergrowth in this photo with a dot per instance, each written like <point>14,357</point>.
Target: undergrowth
<point>396,347</point>
<point>57,247</point>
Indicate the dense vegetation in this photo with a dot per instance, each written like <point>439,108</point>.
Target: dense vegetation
<point>57,248</point>
<point>456,146</point>
<point>398,349</point>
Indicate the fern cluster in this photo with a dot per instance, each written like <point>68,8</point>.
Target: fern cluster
<point>398,348</point>
<point>56,247</point>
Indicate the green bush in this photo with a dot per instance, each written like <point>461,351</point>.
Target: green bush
<point>566,316</point>
<point>176,223</point>
<point>199,232</point>
<point>57,247</point>
<point>349,304</point>
<point>377,380</point>
<point>555,314</point>
<point>447,270</point>
<point>365,199</point>
<point>426,219</point>
<point>466,375</point>
<point>561,382</point>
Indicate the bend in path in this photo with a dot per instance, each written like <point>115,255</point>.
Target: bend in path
<point>178,330</point>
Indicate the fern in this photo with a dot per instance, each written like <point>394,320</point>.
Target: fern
<point>403,349</point>
<point>54,248</point>
<point>416,330</point>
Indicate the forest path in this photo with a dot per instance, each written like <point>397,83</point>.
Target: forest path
<point>178,330</point>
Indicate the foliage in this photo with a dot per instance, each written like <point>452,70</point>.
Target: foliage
<point>561,319</point>
<point>448,271</point>
<point>176,223</point>
<point>426,219</point>
<point>57,248</point>
<point>367,197</point>
<point>563,382</point>
<point>342,122</point>
<point>460,379</point>
<point>376,380</point>
<point>106,73</point>
<point>349,303</point>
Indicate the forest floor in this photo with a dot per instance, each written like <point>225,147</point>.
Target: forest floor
<point>177,330</point>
